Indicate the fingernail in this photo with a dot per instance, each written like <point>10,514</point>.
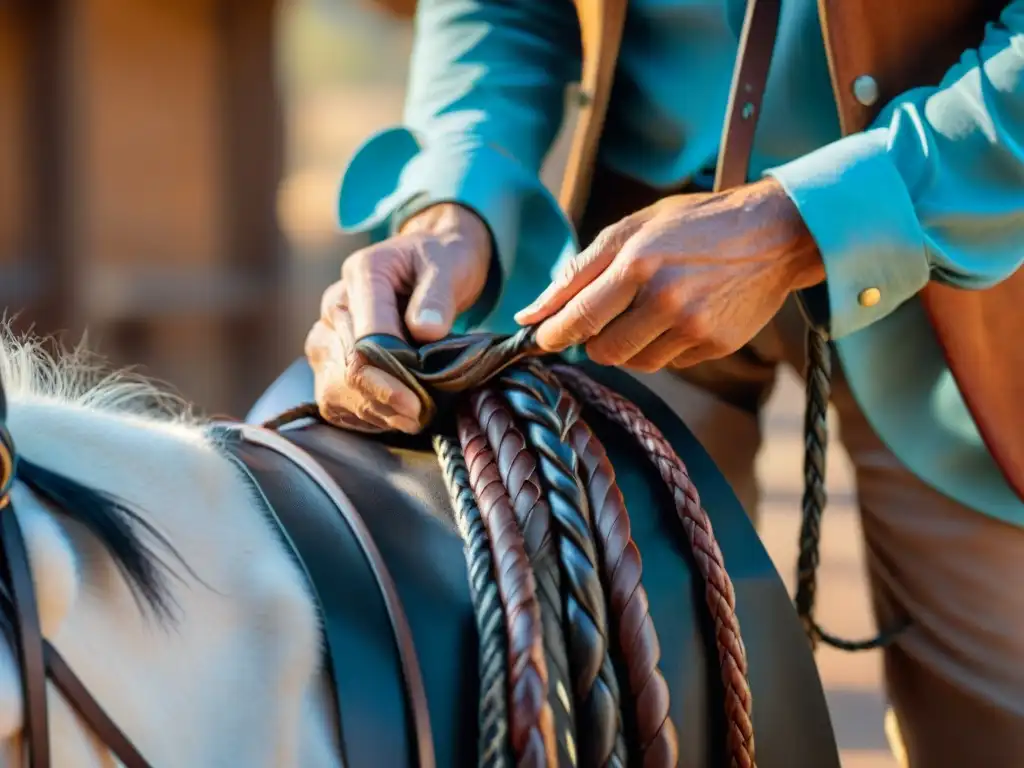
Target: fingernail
<point>429,317</point>
<point>402,424</point>
<point>383,389</point>
<point>406,404</point>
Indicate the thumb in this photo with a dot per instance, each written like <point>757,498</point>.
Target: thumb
<point>431,310</point>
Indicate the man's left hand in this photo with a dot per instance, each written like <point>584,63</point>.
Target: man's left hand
<point>691,278</point>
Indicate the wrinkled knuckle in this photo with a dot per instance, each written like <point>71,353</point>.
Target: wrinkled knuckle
<point>699,325</point>
<point>611,238</point>
<point>583,320</point>
<point>569,271</point>
<point>357,263</point>
<point>630,265</point>
<point>665,302</point>
<point>602,239</point>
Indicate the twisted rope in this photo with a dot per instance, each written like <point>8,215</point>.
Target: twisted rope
<point>819,391</point>
<point>492,714</point>
<point>719,592</point>
<point>518,468</point>
<point>531,721</point>
<point>549,413</point>
<point>631,620</point>
<point>535,511</point>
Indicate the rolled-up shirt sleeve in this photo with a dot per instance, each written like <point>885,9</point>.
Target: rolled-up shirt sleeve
<point>933,191</point>
<point>485,101</point>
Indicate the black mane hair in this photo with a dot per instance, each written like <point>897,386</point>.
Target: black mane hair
<point>117,527</point>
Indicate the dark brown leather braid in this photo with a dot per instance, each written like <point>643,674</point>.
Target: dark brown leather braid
<point>819,388</point>
<point>531,721</point>
<point>631,622</point>
<point>548,413</point>
<point>518,467</point>
<point>819,391</point>
<point>719,593</point>
<point>492,739</point>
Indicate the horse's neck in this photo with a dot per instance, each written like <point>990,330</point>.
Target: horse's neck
<point>235,679</point>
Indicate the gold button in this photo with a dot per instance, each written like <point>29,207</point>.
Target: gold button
<point>869,297</point>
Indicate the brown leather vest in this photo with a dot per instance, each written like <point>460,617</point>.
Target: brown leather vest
<point>901,44</point>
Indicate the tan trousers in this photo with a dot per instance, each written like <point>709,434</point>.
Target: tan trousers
<point>955,679</point>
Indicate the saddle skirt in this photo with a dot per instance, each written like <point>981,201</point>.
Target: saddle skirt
<point>370,522</point>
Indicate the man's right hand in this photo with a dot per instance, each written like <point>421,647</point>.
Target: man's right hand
<point>439,261</point>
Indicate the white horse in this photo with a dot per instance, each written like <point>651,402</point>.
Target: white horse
<point>162,583</point>
<point>198,575</point>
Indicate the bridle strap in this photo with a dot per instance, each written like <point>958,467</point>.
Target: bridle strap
<point>28,637</point>
<point>37,657</point>
<point>90,711</point>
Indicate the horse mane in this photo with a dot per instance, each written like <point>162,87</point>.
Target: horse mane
<point>33,369</point>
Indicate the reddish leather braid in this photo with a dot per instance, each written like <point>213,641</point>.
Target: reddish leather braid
<point>721,599</point>
<point>518,468</point>
<point>548,412</point>
<point>622,568</point>
<point>531,722</point>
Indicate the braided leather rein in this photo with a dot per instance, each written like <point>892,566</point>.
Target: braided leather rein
<point>819,391</point>
<point>555,577</point>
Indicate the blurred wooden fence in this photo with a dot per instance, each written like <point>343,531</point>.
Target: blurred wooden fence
<point>140,154</point>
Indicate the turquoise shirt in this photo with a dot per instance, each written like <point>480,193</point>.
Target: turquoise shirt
<point>934,190</point>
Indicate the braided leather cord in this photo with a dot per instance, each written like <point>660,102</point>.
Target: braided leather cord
<point>631,621</point>
<point>819,391</point>
<point>548,413</point>
<point>719,593</point>
<point>518,468</point>
<point>531,721</point>
<point>492,739</point>
<point>812,506</point>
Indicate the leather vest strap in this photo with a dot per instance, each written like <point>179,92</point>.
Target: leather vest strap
<point>601,25</point>
<point>750,78</point>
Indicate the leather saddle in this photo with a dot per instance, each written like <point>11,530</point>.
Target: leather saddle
<point>369,520</point>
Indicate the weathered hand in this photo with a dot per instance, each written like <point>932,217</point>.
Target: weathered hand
<point>691,278</point>
<point>440,261</point>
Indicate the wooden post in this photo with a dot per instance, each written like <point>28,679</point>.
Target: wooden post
<point>34,288</point>
<point>140,152</point>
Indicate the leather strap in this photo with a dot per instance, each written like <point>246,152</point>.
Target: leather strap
<point>29,634</point>
<point>90,711</point>
<point>749,80</point>
<point>307,539</point>
<point>38,658</point>
<point>601,26</point>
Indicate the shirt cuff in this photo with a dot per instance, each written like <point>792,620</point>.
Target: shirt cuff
<point>394,175</point>
<point>858,209</point>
